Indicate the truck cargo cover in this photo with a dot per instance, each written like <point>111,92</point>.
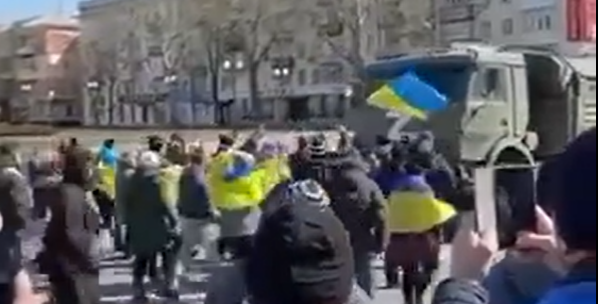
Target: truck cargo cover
<point>585,66</point>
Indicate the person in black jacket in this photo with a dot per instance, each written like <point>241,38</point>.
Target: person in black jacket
<point>196,211</point>
<point>15,205</point>
<point>71,250</point>
<point>298,159</point>
<point>357,201</point>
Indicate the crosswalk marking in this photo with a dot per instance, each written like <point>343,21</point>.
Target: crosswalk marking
<point>201,296</point>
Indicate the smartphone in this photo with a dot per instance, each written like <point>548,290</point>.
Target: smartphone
<point>506,200</point>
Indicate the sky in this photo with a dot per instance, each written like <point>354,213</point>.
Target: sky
<point>11,10</point>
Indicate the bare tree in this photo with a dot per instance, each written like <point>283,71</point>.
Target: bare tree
<point>253,32</point>
<point>166,56</point>
<point>214,24</point>
<point>103,69</point>
<point>345,24</point>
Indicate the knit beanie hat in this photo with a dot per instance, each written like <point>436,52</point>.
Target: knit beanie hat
<point>301,253</point>
<point>317,146</point>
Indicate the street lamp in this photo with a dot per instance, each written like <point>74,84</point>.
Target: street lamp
<point>172,96</point>
<point>348,92</point>
<point>170,79</point>
<point>26,87</point>
<point>233,67</point>
<point>282,70</point>
<point>96,101</point>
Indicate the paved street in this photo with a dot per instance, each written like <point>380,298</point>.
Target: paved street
<point>115,277</point>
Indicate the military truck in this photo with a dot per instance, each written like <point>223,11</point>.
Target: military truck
<point>508,104</point>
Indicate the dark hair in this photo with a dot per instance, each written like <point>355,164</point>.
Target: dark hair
<point>197,155</point>
<point>413,169</point>
<point>76,167</point>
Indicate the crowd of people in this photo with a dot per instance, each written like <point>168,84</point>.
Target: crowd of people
<point>294,227</point>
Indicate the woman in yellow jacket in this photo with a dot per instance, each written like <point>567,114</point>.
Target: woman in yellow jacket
<point>236,191</point>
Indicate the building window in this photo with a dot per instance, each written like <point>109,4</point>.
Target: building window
<point>490,84</point>
<point>507,27</point>
<point>545,23</point>
<point>227,82</point>
<point>486,30</point>
<point>315,76</point>
<point>331,72</point>
<point>322,106</point>
<point>246,104</point>
<point>28,63</point>
<point>301,77</point>
<point>301,50</point>
<point>145,114</point>
<point>70,112</point>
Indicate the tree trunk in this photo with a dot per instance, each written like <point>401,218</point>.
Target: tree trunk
<point>111,103</point>
<point>218,108</point>
<point>254,94</point>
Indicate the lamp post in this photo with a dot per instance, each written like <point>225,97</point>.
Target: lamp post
<point>95,99</point>
<point>172,83</point>
<point>282,72</point>
<point>232,67</point>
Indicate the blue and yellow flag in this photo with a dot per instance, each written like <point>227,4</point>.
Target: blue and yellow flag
<point>409,95</point>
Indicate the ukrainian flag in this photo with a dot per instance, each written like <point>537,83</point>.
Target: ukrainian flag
<point>409,95</point>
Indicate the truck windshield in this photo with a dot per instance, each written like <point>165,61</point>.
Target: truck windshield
<point>450,79</point>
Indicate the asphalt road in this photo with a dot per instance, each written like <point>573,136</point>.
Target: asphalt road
<point>115,275</point>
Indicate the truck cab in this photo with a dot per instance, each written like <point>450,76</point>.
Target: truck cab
<point>507,104</point>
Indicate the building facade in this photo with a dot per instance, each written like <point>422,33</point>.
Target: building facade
<point>188,62</point>
<point>566,26</point>
<point>39,71</point>
<point>137,66</point>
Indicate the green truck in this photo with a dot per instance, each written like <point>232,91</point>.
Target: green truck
<point>509,105</point>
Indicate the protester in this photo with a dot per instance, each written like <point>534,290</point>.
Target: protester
<point>107,154</point>
<point>125,171</point>
<point>415,221</point>
<point>388,177</point>
<point>105,191</point>
<point>567,241</point>
<point>236,190</point>
<point>299,159</point>
<point>574,209</point>
<point>70,256</point>
<point>519,278</point>
<point>472,254</point>
<point>45,177</point>
<point>152,228</point>
<point>15,205</point>
<point>269,161</point>
<point>195,209</point>
<point>356,200</point>
<point>301,253</point>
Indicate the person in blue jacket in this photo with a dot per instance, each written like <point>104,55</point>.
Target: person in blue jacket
<point>574,208</point>
<point>108,155</point>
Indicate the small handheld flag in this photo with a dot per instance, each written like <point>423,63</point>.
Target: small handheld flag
<point>409,95</point>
